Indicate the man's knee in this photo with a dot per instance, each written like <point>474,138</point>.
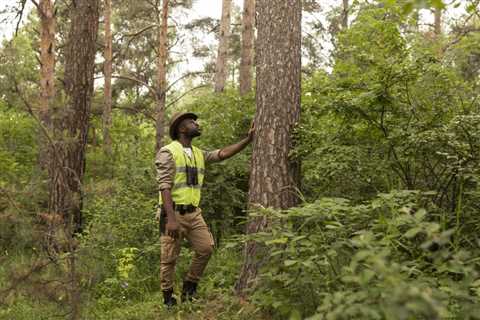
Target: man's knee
<point>205,251</point>
<point>168,263</point>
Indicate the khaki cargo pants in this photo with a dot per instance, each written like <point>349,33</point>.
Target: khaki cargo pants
<point>195,230</point>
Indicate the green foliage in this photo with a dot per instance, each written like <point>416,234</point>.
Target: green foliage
<point>18,68</point>
<point>21,184</point>
<point>25,308</point>
<point>121,242</point>
<point>385,259</point>
<point>369,118</point>
<point>18,147</point>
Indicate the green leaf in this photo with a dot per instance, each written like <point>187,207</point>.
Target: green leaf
<point>298,238</point>
<point>408,7</point>
<point>412,232</point>
<point>308,264</point>
<point>276,241</point>
<point>289,263</point>
<point>420,214</point>
<point>471,8</point>
<point>438,4</point>
<point>295,315</point>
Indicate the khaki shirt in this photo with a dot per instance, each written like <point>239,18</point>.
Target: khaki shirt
<point>166,166</point>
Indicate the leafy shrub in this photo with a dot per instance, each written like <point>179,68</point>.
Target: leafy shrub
<point>385,259</point>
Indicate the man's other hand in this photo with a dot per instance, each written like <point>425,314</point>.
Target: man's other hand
<point>172,228</point>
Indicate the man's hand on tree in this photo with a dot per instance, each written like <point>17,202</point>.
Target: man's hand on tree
<point>251,132</point>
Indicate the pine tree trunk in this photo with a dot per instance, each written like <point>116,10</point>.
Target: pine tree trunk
<point>70,127</point>
<point>79,79</point>
<point>47,56</point>
<point>107,71</point>
<point>345,15</point>
<point>162,76</point>
<point>437,21</point>
<point>248,35</point>
<point>222,55</point>
<point>274,178</point>
<point>46,13</point>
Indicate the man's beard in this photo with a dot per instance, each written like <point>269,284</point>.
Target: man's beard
<point>194,133</point>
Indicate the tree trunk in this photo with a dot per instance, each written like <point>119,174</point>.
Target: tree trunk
<point>222,56</point>
<point>162,76</point>
<point>79,79</point>
<point>345,15</point>
<point>107,71</point>
<point>70,132</point>
<point>274,178</point>
<point>47,56</point>
<point>46,13</point>
<point>248,35</point>
<point>438,21</point>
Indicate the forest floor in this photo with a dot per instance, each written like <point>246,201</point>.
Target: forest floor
<point>212,307</point>
<point>213,302</point>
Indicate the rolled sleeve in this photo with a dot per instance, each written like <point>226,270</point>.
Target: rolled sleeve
<point>212,156</point>
<point>165,169</point>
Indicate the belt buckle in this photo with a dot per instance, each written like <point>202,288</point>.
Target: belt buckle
<point>185,208</point>
<point>180,208</point>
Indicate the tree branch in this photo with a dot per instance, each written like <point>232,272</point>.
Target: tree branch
<point>136,34</point>
<point>184,94</point>
<point>30,111</point>
<point>20,15</point>
<point>144,112</point>
<point>36,5</point>
<point>126,77</point>
<point>194,73</point>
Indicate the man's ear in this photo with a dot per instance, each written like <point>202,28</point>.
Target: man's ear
<point>181,127</point>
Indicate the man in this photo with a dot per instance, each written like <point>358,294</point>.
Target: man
<point>180,172</point>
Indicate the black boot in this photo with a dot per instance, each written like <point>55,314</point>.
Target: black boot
<point>189,290</point>
<point>168,298</point>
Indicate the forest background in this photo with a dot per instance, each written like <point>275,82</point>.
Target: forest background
<point>384,218</point>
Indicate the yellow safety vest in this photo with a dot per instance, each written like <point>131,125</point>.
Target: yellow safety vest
<point>181,192</point>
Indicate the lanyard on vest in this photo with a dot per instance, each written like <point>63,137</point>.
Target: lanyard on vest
<point>193,156</point>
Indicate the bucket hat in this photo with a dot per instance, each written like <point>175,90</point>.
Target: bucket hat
<point>175,121</point>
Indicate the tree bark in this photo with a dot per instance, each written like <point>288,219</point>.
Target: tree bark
<point>47,56</point>
<point>274,178</point>
<point>222,55</point>
<point>437,21</point>
<point>248,35</point>
<point>79,79</point>
<point>107,71</point>
<point>70,127</point>
<point>345,15</point>
<point>46,13</point>
<point>161,76</point>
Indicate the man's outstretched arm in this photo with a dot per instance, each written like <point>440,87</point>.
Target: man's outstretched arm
<point>231,150</point>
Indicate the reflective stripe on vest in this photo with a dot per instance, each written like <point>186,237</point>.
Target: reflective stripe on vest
<point>181,192</point>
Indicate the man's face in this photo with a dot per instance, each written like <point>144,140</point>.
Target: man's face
<point>190,128</point>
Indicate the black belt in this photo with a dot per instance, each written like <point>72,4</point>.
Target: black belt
<point>185,208</point>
